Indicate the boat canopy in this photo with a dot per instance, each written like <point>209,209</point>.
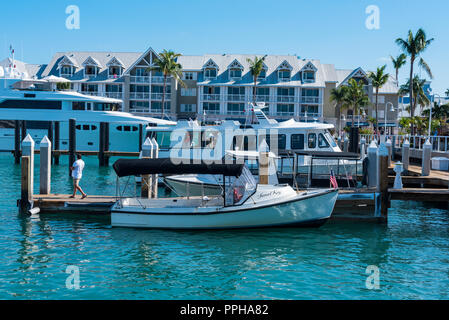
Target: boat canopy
<point>130,167</point>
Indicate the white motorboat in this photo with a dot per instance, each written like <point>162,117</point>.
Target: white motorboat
<point>243,204</point>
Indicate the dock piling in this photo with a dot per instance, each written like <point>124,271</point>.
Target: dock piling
<point>147,152</point>
<point>45,166</point>
<point>140,136</point>
<point>26,186</point>
<point>372,164</point>
<point>28,150</point>
<point>405,154</point>
<point>383,180</point>
<point>155,177</point>
<point>101,145</point>
<point>72,143</point>
<point>24,129</point>
<point>56,144</point>
<point>426,157</point>
<point>16,141</point>
<point>263,162</point>
<point>106,143</point>
<point>50,136</point>
<point>389,145</point>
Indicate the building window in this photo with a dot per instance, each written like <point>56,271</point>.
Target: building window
<point>115,71</point>
<point>310,92</point>
<point>210,73</point>
<point>308,76</point>
<point>113,88</point>
<point>189,107</point>
<point>211,90</point>
<point>310,110</point>
<point>213,108</point>
<point>189,76</point>
<point>236,90</point>
<point>66,71</point>
<point>90,70</point>
<point>89,87</point>
<point>235,73</point>
<point>156,106</point>
<point>139,106</point>
<point>188,92</point>
<point>285,109</point>
<point>284,75</point>
<point>160,89</point>
<point>236,108</point>
<point>286,91</point>
<point>262,74</point>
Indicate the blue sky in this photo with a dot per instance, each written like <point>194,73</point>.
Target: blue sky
<point>332,31</point>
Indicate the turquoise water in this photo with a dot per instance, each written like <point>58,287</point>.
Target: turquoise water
<point>411,252</point>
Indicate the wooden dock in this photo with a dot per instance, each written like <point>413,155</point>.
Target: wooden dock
<point>57,203</point>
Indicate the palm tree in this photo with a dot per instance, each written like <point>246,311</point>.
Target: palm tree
<point>398,63</point>
<point>419,97</point>
<point>355,96</point>
<point>256,67</point>
<point>378,80</point>
<point>414,46</point>
<point>338,95</point>
<point>166,63</point>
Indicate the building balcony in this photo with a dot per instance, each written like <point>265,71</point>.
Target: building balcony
<point>285,99</point>
<point>160,80</point>
<point>310,115</point>
<point>212,111</point>
<point>236,97</point>
<point>114,76</point>
<point>139,95</point>
<point>310,100</point>
<point>158,96</point>
<point>211,97</point>
<point>140,79</point>
<point>113,95</point>
<point>262,98</point>
<point>236,112</point>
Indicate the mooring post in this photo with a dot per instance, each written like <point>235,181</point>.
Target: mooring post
<point>346,144</point>
<point>405,154</point>
<point>147,152</point>
<point>383,180</point>
<point>106,144</point>
<point>101,145</point>
<point>56,144</point>
<point>140,136</point>
<point>263,162</point>
<point>390,150</point>
<point>28,150</point>
<point>72,143</point>
<point>50,138</point>
<point>362,147</point>
<point>426,157</point>
<point>393,155</point>
<point>26,195</point>
<point>24,129</point>
<point>16,142</point>
<point>372,165</point>
<point>155,177</point>
<point>45,166</point>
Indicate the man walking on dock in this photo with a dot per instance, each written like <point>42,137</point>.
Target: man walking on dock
<point>77,172</point>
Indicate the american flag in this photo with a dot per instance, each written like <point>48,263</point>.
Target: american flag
<point>333,180</point>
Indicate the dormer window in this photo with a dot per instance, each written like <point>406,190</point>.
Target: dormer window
<point>235,73</point>
<point>210,73</point>
<point>91,67</point>
<point>90,71</point>
<point>262,74</point>
<point>66,71</point>
<point>115,71</point>
<point>308,76</point>
<point>284,75</point>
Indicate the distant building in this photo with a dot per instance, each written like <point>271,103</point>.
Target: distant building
<point>218,86</point>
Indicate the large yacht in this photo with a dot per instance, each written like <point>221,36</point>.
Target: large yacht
<point>38,102</point>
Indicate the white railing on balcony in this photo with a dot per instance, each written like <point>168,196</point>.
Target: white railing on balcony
<point>140,79</point>
<point>439,143</point>
<point>236,112</point>
<point>262,98</point>
<point>113,95</point>
<point>310,115</point>
<point>91,93</point>
<point>139,95</point>
<point>114,76</point>
<point>310,99</point>
<point>236,97</point>
<point>212,111</point>
<point>285,99</point>
<point>158,96</point>
<point>283,113</point>
<point>159,79</point>
<point>211,97</point>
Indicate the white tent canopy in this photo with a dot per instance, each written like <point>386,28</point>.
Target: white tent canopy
<point>55,79</point>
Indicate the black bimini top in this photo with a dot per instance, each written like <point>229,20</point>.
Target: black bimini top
<point>134,167</point>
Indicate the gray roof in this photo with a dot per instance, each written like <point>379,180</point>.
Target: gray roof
<point>196,63</point>
<point>102,58</point>
<point>32,70</point>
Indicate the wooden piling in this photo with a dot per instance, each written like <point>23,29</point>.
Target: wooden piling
<point>383,181</point>
<point>155,177</point>
<point>147,152</point>
<point>16,141</point>
<point>101,145</point>
<point>28,150</point>
<point>56,142</point>
<point>106,143</point>
<point>45,166</point>
<point>72,143</point>
<point>405,154</point>
<point>25,190</point>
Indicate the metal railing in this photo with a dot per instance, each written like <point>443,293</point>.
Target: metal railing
<point>439,143</point>
<point>139,95</point>
<point>211,97</point>
<point>285,99</point>
<point>310,99</point>
<point>236,97</point>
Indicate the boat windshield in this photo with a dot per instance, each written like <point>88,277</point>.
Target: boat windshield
<point>241,188</point>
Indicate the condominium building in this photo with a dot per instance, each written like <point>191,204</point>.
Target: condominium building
<point>217,86</point>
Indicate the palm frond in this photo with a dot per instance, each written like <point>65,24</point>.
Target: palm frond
<point>426,67</point>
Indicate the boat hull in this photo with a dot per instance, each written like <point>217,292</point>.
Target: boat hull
<point>299,211</point>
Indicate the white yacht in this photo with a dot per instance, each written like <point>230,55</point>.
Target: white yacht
<point>191,140</point>
<point>34,100</point>
<point>244,203</point>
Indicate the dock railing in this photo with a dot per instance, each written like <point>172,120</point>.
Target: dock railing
<point>439,143</point>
